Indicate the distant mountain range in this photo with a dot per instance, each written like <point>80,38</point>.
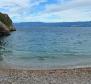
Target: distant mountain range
<point>56,24</point>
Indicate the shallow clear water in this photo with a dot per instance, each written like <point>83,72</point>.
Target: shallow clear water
<point>47,47</point>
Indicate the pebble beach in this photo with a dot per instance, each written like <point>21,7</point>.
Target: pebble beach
<point>57,76</point>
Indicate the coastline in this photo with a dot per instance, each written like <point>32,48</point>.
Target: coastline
<point>56,76</point>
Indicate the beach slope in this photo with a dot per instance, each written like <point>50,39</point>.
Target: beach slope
<point>57,76</point>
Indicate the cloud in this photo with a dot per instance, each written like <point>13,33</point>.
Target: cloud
<point>43,10</point>
<point>71,10</point>
<point>19,8</point>
<point>72,4</point>
<point>13,7</point>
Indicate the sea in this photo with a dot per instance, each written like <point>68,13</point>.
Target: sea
<point>47,48</point>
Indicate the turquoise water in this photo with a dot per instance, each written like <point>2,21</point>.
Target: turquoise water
<point>47,47</point>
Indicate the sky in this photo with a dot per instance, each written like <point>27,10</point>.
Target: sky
<point>47,10</point>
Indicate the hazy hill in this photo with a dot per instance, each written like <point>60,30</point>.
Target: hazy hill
<point>59,24</point>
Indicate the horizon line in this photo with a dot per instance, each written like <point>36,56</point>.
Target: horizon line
<point>52,22</point>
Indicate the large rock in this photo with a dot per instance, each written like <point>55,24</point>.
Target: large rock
<point>6,24</point>
<point>3,29</point>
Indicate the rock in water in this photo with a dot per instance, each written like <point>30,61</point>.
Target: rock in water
<point>6,24</point>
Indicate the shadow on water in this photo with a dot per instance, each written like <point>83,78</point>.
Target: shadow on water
<point>2,45</point>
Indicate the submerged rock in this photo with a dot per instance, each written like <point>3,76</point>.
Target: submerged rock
<point>6,24</point>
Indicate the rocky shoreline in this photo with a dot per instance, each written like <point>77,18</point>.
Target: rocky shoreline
<point>57,76</point>
<point>6,25</point>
